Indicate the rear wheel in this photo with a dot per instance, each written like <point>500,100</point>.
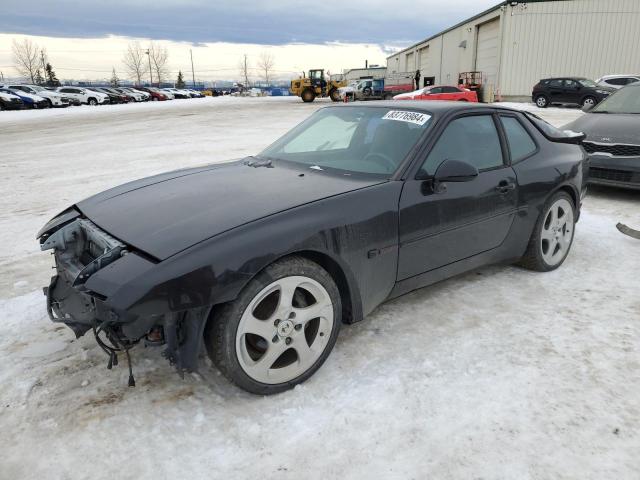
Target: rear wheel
<point>542,101</point>
<point>279,330</point>
<point>334,94</point>
<point>308,96</point>
<point>552,236</point>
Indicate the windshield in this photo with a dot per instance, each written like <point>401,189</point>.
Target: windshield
<point>625,100</point>
<point>37,88</point>
<point>587,83</point>
<point>372,140</point>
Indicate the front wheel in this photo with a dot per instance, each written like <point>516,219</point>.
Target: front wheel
<point>589,102</point>
<point>334,94</point>
<point>279,330</point>
<point>542,101</point>
<point>308,96</point>
<point>552,236</point>
<point>93,102</point>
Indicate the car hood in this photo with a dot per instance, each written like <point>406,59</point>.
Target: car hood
<point>608,127</point>
<point>50,94</point>
<point>8,96</point>
<point>165,214</point>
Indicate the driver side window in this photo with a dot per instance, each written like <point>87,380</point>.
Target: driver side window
<point>473,139</point>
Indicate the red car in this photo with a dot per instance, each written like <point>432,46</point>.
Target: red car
<point>440,92</point>
<point>154,92</point>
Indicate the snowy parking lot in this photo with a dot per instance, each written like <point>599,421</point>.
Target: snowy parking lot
<point>501,373</point>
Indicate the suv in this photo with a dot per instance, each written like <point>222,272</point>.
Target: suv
<point>569,90</point>
<point>617,81</point>
<point>55,99</point>
<point>90,97</point>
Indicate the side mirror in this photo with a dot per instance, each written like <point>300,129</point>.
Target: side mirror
<point>455,171</point>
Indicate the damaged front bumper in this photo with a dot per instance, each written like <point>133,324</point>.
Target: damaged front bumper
<point>92,290</point>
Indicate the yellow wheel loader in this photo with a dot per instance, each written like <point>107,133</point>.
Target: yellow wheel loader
<point>315,85</point>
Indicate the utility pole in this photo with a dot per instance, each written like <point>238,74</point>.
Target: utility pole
<point>150,71</point>
<point>193,72</point>
<point>44,67</point>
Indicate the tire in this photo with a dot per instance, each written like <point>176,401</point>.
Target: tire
<point>542,101</point>
<point>589,101</point>
<point>388,96</point>
<point>308,96</point>
<point>334,94</point>
<point>238,353</point>
<point>552,235</point>
<point>50,103</point>
<point>155,99</point>
<point>92,101</point>
<point>1,107</point>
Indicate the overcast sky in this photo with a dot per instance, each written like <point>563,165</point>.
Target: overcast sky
<point>366,27</point>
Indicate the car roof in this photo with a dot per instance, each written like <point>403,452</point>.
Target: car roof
<point>620,75</point>
<point>566,78</point>
<point>432,106</point>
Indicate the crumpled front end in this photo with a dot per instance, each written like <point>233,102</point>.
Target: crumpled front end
<point>80,249</point>
<point>91,291</point>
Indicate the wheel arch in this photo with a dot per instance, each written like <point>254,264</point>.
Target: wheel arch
<point>349,293</point>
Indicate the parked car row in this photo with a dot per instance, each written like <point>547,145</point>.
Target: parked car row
<point>17,97</point>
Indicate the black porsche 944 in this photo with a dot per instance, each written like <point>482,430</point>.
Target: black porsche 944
<point>261,260</point>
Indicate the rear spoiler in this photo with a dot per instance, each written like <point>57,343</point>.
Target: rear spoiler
<point>554,134</point>
<point>569,136</point>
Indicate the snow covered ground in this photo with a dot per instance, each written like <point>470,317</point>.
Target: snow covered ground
<point>500,373</point>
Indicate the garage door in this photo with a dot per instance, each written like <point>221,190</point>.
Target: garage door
<point>410,65</point>
<point>423,61</point>
<point>487,51</point>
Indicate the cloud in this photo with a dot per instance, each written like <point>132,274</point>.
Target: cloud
<point>240,21</point>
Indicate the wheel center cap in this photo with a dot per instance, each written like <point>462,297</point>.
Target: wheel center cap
<point>285,328</point>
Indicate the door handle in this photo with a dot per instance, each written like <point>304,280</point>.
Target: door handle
<point>505,187</point>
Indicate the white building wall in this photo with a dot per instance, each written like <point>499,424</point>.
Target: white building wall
<point>587,38</point>
<point>447,54</point>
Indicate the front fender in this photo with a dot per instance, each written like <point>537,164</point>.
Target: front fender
<point>344,228</point>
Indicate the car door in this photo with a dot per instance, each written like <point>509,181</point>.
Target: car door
<point>451,93</point>
<point>556,90</point>
<point>457,220</point>
<point>432,94</point>
<point>571,91</point>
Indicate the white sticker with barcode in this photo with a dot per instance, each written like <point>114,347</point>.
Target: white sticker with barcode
<point>405,116</point>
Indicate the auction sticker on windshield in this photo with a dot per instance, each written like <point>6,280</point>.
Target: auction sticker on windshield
<point>405,116</point>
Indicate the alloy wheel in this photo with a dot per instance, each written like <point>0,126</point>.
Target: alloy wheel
<point>541,102</point>
<point>557,232</point>
<point>284,330</point>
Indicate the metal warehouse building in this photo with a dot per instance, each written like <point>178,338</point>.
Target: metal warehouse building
<point>515,44</point>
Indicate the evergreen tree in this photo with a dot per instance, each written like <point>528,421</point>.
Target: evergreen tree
<point>37,78</point>
<point>115,81</point>
<point>180,81</point>
<point>50,76</point>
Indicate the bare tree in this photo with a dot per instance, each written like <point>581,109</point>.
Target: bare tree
<point>244,70</point>
<point>266,63</point>
<point>159,56</point>
<point>25,58</point>
<point>135,62</point>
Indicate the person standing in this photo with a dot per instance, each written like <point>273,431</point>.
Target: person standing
<point>417,79</point>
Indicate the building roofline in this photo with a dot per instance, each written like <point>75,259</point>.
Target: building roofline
<point>470,19</point>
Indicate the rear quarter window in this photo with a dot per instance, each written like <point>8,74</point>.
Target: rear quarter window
<point>521,145</point>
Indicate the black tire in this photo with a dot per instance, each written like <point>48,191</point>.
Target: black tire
<point>334,94</point>
<point>542,101</point>
<point>388,96</point>
<point>222,328</point>
<point>50,103</point>
<point>92,101</point>
<point>308,96</point>
<point>533,257</point>
<point>1,107</point>
<point>589,100</point>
